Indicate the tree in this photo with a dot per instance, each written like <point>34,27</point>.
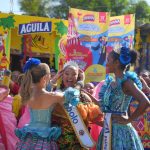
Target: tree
<point>60,8</point>
<point>141,10</point>
<point>118,7</point>
<point>34,7</point>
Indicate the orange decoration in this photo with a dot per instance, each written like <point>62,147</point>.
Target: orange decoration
<point>90,112</point>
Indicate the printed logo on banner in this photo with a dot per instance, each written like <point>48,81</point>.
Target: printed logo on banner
<point>127,19</point>
<point>35,27</point>
<point>88,17</point>
<point>114,22</point>
<point>102,17</point>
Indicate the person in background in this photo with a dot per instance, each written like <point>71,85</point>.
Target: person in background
<point>53,72</point>
<point>8,121</point>
<point>94,128</point>
<point>89,87</point>
<point>52,83</point>
<point>14,86</point>
<point>18,108</point>
<point>39,134</point>
<point>145,79</point>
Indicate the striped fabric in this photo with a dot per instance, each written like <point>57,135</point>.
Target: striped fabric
<point>36,143</point>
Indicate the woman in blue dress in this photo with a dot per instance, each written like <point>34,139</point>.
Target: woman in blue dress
<point>115,97</point>
<point>39,134</point>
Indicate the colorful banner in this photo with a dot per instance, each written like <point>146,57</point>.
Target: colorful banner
<point>142,125</point>
<point>87,41</point>
<point>60,43</point>
<point>27,35</point>
<point>5,49</point>
<point>121,31</point>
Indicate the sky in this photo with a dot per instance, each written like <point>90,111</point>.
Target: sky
<point>5,6</point>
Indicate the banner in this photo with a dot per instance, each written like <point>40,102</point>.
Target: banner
<point>121,31</point>
<point>142,125</point>
<point>87,41</point>
<point>27,35</point>
<point>34,27</point>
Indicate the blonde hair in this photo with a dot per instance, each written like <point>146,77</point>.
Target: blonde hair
<point>32,76</point>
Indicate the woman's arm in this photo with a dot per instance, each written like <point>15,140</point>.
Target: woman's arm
<point>143,101</point>
<point>56,97</point>
<point>70,95</point>
<point>54,80</point>
<point>4,91</point>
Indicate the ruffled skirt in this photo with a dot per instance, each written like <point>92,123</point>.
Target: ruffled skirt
<point>8,124</point>
<point>124,137</point>
<point>35,138</point>
<point>36,143</point>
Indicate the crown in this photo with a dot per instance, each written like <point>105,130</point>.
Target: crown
<point>70,63</point>
<point>117,49</point>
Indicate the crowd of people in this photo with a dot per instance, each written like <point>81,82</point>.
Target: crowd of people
<point>45,109</point>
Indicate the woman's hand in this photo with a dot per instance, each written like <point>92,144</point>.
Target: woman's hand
<point>120,119</point>
<point>81,75</point>
<point>57,76</point>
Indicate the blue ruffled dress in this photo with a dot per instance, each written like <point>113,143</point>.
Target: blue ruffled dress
<point>113,100</point>
<point>38,134</point>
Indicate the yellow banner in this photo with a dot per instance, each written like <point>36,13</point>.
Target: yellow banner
<point>121,31</point>
<point>90,22</point>
<point>90,29</point>
<point>35,34</point>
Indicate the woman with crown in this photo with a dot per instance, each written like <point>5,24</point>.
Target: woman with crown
<point>72,76</point>
<point>115,97</point>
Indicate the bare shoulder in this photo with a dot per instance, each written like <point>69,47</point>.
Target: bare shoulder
<point>128,83</point>
<point>54,97</point>
<point>55,94</point>
<point>129,87</point>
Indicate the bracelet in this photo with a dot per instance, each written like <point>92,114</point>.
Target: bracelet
<point>80,83</point>
<point>53,84</point>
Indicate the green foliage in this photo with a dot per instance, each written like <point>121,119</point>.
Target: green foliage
<point>34,7</point>
<point>141,10</point>
<point>60,8</point>
<point>7,23</point>
<point>61,28</point>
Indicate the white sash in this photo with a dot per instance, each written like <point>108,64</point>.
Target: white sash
<point>107,132</point>
<point>79,127</point>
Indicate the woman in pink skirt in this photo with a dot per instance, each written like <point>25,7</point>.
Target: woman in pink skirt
<point>8,121</point>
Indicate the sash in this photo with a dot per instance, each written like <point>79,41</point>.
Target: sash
<point>107,132</point>
<point>79,127</point>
